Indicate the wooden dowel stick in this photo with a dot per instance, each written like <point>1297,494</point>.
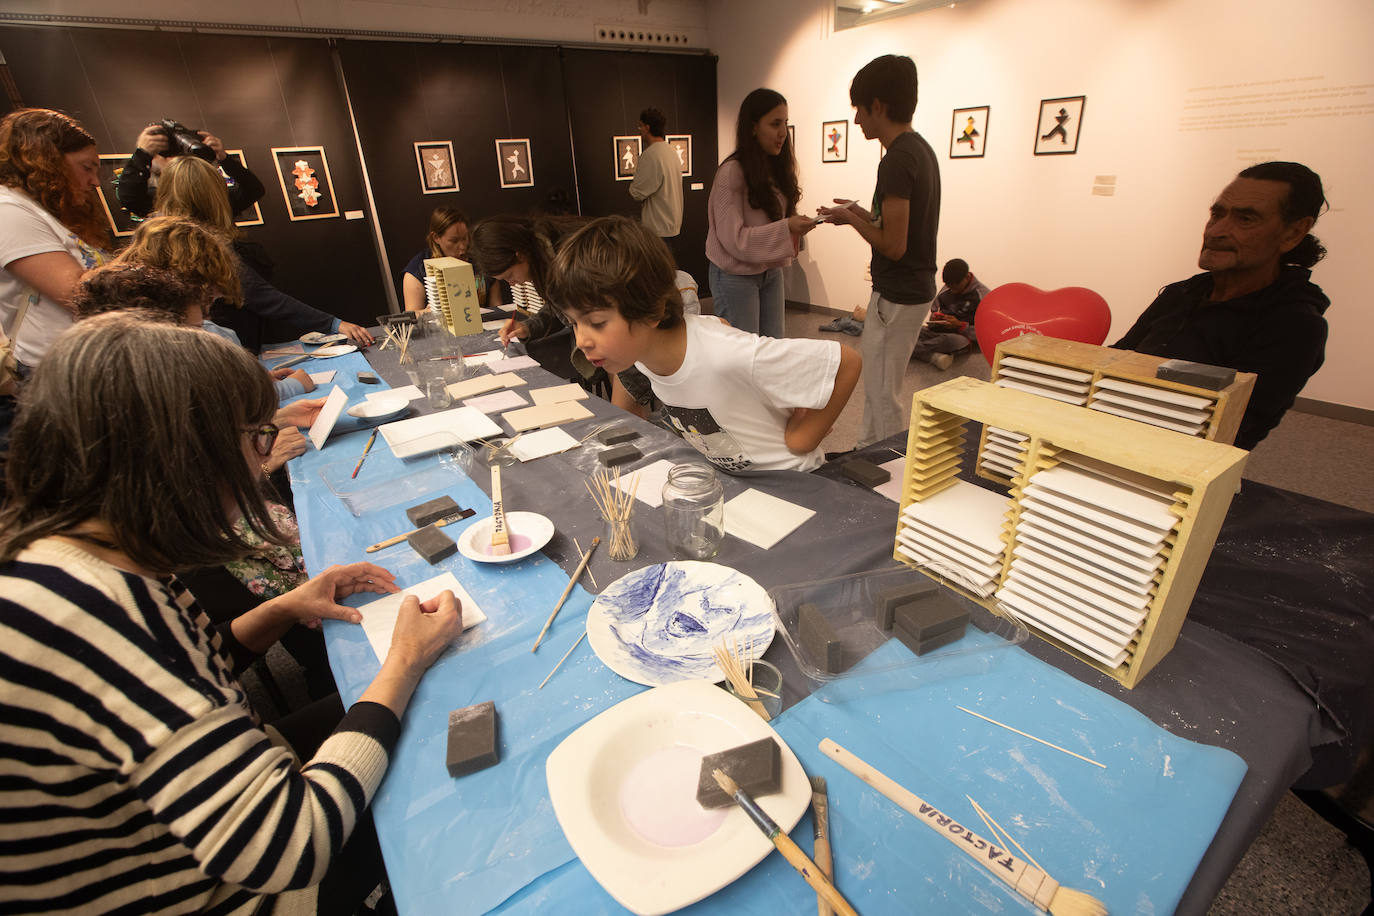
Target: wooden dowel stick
<point>1004,833</point>
<point>566,592</point>
<point>1033,738</point>
<point>563,659</point>
<point>583,553</point>
<point>1028,881</point>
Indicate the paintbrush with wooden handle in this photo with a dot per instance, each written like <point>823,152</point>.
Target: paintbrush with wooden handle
<point>500,534</point>
<point>820,826</point>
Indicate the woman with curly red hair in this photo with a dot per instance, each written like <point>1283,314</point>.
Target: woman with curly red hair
<point>51,226</point>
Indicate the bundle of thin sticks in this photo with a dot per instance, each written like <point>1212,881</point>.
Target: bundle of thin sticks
<point>400,336</point>
<point>615,503</point>
<point>737,664</point>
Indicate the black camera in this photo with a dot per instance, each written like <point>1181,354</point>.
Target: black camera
<point>182,141</point>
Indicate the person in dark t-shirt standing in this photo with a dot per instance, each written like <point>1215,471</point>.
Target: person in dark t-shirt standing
<point>901,229</point>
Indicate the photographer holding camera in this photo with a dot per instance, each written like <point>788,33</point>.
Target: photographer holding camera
<point>158,144</point>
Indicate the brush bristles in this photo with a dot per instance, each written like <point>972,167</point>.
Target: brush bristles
<point>1069,902</point>
<point>727,785</point>
<point>818,784</point>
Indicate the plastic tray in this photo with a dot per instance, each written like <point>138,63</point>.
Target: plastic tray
<point>848,603</point>
<point>380,484</point>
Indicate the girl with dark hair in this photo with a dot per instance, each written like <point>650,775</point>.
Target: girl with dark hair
<point>754,227</point>
<point>51,225</point>
<point>125,716</point>
<point>520,250</point>
<point>448,237</point>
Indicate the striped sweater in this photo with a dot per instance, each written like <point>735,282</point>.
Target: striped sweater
<point>133,776</point>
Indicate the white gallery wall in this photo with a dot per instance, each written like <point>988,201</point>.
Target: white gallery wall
<point>1181,94</point>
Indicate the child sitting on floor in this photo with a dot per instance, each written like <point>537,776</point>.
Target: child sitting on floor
<point>745,402</point>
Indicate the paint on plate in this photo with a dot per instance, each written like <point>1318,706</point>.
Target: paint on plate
<point>659,799</point>
<point>518,542</point>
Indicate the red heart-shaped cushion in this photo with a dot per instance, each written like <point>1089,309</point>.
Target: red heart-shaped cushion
<point>1013,309</point>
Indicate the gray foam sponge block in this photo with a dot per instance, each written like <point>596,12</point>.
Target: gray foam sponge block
<point>930,643</point>
<point>819,640</point>
<point>621,454</point>
<point>930,615</point>
<point>888,601</point>
<point>1213,378</point>
<point>865,472</point>
<point>432,544</point>
<point>756,767</point>
<point>472,739</point>
<point>616,435</point>
<point>430,512</point>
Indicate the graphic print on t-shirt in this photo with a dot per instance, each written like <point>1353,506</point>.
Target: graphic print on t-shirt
<point>704,434</point>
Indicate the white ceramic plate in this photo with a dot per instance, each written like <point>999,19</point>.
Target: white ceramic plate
<point>381,410</point>
<point>529,531</point>
<point>315,337</point>
<point>586,774</point>
<point>336,350</point>
<point>658,625</point>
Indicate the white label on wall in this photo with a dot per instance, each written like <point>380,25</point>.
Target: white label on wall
<point>353,214</point>
<point>698,186</point>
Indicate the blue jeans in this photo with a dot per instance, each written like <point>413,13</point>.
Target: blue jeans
<point>750,302</point>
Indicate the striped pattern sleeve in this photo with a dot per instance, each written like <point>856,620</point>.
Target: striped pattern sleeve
<point>741,241</point>
<point>133,775</point>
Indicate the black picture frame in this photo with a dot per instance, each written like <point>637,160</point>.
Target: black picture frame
<point>434,159</point>
<point>1060,119</point>
<point>968,132</point>
<point>512,158</point>
<point>835,141</point>
<point>306,186</point>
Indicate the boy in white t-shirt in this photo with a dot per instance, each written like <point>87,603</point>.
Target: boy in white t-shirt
<point>745,402</point>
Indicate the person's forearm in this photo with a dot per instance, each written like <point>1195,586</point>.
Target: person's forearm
<point>393,685</point>
<point>260,627</point>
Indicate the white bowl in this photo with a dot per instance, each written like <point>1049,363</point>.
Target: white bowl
<point>529,531</point>
<point>379,409</point>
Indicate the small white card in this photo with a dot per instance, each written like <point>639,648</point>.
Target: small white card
<point>327,417</point>
<point>495,403</point>
<point>762,519</point>
<point>651,481</point>
<point>494,325</point>
<point>322,378</point>
<point>510,365</point>
<point>479,359</point>
<point>559,393</point>
<point>893,488</point>
<point>379,617</point>
<point>545,442</point>
<point>409,392</point>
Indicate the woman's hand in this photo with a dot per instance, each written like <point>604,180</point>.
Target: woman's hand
<point>424,630</point>
<point>290,443</point>
<point>848,213</point>
<point>512,328</point>
<point>797,224</point>
<point>318,598</point>
<point>299,375</point>
<point>356,333</point>
<point>298,413</point>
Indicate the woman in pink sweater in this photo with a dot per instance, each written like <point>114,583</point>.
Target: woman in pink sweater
<point>754,226</point>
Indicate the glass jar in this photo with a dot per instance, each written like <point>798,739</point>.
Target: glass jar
<point>694,512</point>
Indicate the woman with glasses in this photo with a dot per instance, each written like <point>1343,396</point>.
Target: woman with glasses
<point>135,776</point>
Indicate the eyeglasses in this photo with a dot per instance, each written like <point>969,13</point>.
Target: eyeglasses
<point>264,437</point>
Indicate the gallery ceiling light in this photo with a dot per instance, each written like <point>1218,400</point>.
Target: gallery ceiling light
<point>853,13</point>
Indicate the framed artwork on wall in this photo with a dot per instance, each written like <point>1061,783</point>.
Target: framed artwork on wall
<point>968,134</point>
<point>626,151</point>
<point>1056,133</point>
<point>434,159</point>
<point>305,183</point>
<point>834,141</point>
<point>121,222</point>
<point>682,145</point>
<point>253,215</point>
<point>514,162</point>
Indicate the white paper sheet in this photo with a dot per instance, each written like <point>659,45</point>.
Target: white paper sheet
<point>495,403</point>
<point>322,378</point>
<point>420,435</point>
<point>379,617</point>
<point>327,417</point>
<point>762,519</point>
<point>510,365</point>
<point>651,481</point>
<point>893,488</point>
<point>481,359</point>
<point>409,392</point>
<point>544,442</point>
<point>493,325</point>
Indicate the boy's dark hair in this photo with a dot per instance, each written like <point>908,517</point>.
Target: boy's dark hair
<point>655,120</point>
<point>890,79</point>
<point>614,260</point>
<point>956,269</point>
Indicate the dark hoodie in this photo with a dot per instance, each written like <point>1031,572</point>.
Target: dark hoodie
<point>1277,332</point>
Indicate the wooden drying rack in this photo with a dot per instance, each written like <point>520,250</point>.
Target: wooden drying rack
<point>1228,404</point>
<point>1203,476</point>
